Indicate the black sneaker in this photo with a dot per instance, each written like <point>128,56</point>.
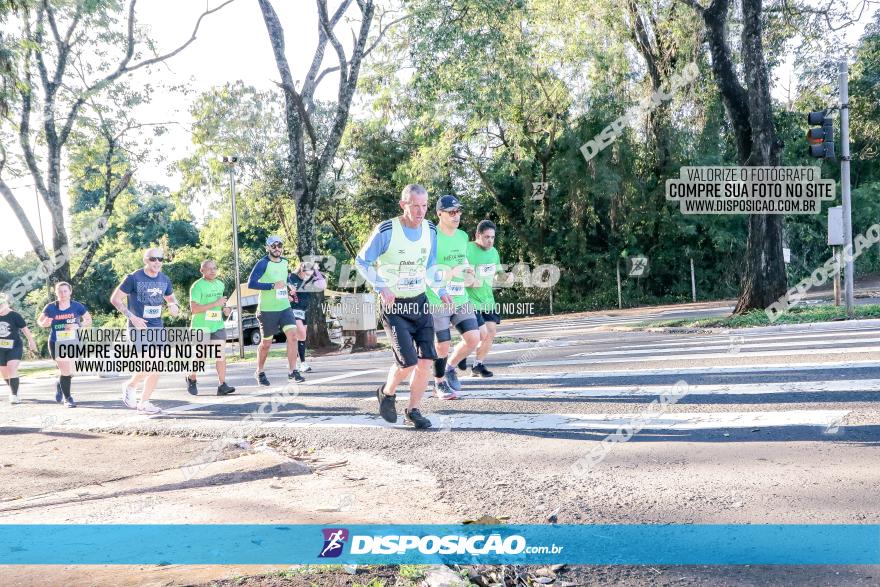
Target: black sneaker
<point>224,389</point>
<point>296,376</point>
<point>386,405</point>
<point>191,386</point>
<point>415,419</point>
<point>452,380</point>
<point>479,370</point>
<point>462,364</point>
<point>58,394</point>
<point>262,379</point>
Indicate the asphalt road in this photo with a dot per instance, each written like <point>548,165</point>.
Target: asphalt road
<point>771,425</point>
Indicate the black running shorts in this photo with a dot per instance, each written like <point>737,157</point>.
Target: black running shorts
<point>14,354</point>
<point>483,317</point>
<point>410,329</point>
<point>273,322</point>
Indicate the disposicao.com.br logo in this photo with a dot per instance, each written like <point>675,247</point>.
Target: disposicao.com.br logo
<point>478,544</point>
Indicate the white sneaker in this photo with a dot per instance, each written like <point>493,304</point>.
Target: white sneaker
<point>128,396</point>
<point>148,408</point>
<point>305,367</point>
<point>14,399</point>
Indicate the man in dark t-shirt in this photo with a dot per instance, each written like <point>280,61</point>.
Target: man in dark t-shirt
<point>140,298</point>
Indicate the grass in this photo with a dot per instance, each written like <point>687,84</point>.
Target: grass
<point>796,315</point>
<point>412,572</point>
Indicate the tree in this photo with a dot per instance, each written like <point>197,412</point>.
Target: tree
<point>60,41</point>
<point>310,152</point>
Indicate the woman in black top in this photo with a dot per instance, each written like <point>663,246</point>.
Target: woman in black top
<point>12,325</point>
<point>304,281</point>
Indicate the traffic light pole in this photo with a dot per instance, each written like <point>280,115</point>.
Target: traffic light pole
<point>844,185</point>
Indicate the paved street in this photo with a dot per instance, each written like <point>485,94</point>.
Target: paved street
<point>773,425</point>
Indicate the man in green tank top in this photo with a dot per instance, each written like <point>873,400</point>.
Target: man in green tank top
<point>395,261</point>
<point>452,260</point>
<point>269,276</point>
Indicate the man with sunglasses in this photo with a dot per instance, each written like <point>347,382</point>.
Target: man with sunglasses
<point>140,298</point>
<point>452,246</point>
<point>395,261</point>
<point>274,313</point>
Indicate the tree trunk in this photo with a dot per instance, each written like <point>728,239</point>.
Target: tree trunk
<point>751,115</point>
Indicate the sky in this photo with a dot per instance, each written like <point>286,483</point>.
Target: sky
<point>232,44</point>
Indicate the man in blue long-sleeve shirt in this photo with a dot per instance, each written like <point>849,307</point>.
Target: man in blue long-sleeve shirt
<point>395,260</point>
<point>269,276</point>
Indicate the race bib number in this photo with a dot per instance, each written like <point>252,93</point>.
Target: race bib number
<point>411,278</point>
<point>213,315</point>
<point>65,335</point>
<point>6,343</point>
<point>455,289</point>
<point>152,311</point>
<point>281,294</point>
<point>486,271</point>
<point>299,314</point>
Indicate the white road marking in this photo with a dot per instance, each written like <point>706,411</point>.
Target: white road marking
<point>741,347</point>
<point>665,421</point>
<point>768,368</point>
<point>749,355</point>
<point>551,393</point>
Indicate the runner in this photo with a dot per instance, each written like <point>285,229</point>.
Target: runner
<point>140,298</point>
<point>208,307</point>
<point>269,276</point>
<point>64,316</point>
<point>306,279</point>
<point>452,246</point>
<point>483,255</point>
<point>394,260</point>
<point>11,323</point>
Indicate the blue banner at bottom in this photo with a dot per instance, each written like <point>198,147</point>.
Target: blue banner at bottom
<point>636,544</point>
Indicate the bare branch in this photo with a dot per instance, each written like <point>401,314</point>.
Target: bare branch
<point>382,32</point>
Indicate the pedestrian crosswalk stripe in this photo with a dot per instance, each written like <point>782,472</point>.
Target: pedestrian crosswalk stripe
<point>739,346</point>
<point>503,373</point>
<point>604,422</point>
<point>691,357</point>
<point>550,393</point>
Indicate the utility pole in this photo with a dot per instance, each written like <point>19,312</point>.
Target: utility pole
<point>844,185</point>
<point>230,162</point>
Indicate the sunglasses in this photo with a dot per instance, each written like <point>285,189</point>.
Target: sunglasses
<point>455,212</point>
<point>160,259</point>
<point>276,245</point>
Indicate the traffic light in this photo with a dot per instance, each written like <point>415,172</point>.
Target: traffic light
<point>821,138</point>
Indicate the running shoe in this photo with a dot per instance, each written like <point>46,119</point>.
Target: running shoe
<point>148,408</point>
<point>192,386</point>
<point>462,364</point>
<point>386,405</point>
<point>128,396</point>
<point>296,376</point>
<point>479,370</point>
<point>443,391</point>
<point>69,403</point>
<point>415,419</point>
<point>262,379</point>
<point>14,399</point>
<point>305,367</point>
<point>452,379</point>
<point>58,394</point>
<point>224,389</point>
